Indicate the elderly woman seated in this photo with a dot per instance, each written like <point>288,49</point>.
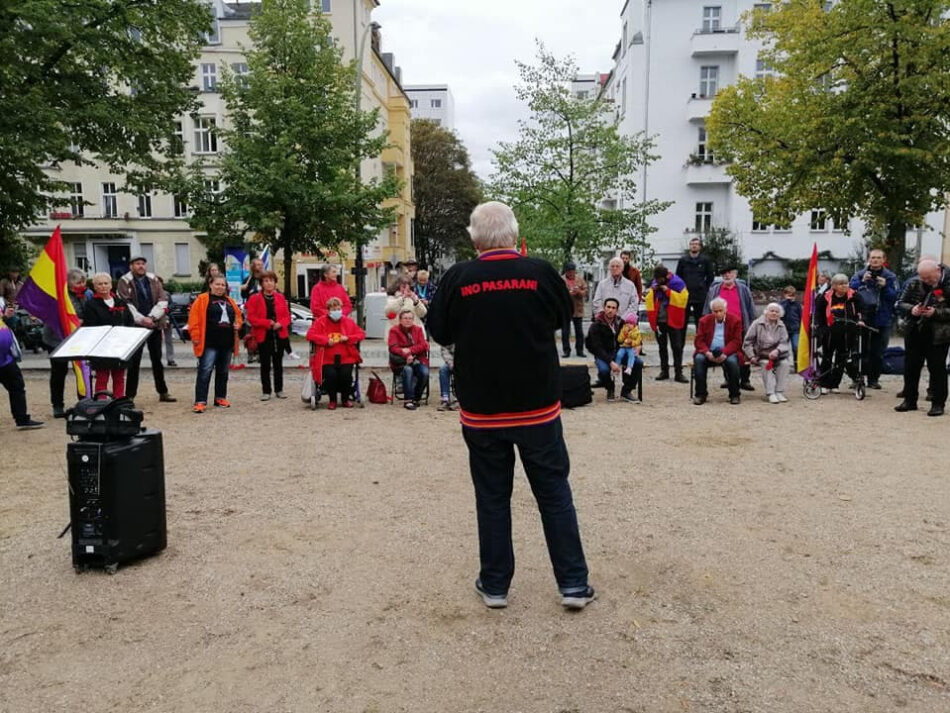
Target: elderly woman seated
<point>766,344</point>
<point>409,357</point>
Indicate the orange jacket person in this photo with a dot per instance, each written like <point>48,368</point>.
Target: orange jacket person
<point>213,323</point>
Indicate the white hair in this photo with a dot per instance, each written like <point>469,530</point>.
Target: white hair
<point>840,279</point>
<point>493,225</point>
<point>100,275</point>
<point>781,311</point>
<point>718,302</point>
<point>75,275</point>
<point>615,261</point>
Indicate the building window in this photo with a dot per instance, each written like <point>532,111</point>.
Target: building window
<point>712,16</point>
<point>762,69</point>
<point>209,76</point>
<point>212,188</point>
<point>178,139</point>
<point>759,227</point>
<point>81,260</point>
<point>582,94</point>
<point>413,103</point>
<point>704,217</point>
<point>435,103</point>
<point>76,202</point>
<point>182,259</point>
<point>241,71</point>
<point>841,224</point>
<point>762,7</point>
<point>819,220</point>
<point>145,206</point>
<point>110,203</point>
<point>205,139</point>
<point>147,251</point>
<point>708,82</point>
<point>325,6</point>
<point>623,97</point>
<point>702,149</point>
<point>213,37</point>
<point>623,41</point>
<point>181,207</point>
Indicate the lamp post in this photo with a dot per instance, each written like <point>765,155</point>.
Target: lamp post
<point>359,271</point>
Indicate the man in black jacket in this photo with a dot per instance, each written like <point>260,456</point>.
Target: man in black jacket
<point>696,270</point>
<point>501,312</point>
<point>602,343</point>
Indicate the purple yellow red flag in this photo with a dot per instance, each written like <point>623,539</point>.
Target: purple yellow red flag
<point>808,308</point>
<point>45,296</point>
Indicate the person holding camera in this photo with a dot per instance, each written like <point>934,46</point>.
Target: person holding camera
<point>927,337</point>
<point>877,288</point>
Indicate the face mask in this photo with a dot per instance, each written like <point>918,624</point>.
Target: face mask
<point>336,314</point>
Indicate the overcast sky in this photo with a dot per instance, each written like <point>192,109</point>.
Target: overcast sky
<point>472,47</point>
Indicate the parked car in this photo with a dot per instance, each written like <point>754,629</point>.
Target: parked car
<point>300,318</point>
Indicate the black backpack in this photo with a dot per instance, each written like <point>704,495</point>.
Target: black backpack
<point>575,386</point>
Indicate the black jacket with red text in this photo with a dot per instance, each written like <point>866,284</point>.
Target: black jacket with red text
<point>501,312</point>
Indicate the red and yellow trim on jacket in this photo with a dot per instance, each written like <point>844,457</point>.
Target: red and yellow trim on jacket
<point>675,311</point>
<point>500,254</point>
<point>511,420</point>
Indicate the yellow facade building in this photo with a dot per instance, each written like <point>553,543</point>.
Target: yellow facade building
<point>104,227</point>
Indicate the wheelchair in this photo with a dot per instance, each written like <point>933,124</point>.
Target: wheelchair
<point>397,390</point>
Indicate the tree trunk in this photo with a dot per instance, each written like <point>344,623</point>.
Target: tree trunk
<point>288,264</point>
<point>894,245</point>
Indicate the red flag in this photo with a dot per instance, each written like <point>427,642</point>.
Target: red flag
<point>808,307</point>
<point>524,247</point>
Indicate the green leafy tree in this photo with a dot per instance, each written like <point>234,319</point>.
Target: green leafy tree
<point>291,150</point>
<point>854,119</point>
<point>568,159</point>
<point>445,191</point>
<point>721,246</point>
<point>92,81</point>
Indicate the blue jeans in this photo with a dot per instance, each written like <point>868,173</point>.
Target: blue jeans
<point>414,378</point>
<point>217,360</point>
<point>628,380</point>
<point>730,369</point>
<point>491,454</point>
<point>627,357</point>
<point>793,341</point>
<point>445,382</point>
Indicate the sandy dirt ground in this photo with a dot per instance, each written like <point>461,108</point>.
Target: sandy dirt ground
<point>788,558</point>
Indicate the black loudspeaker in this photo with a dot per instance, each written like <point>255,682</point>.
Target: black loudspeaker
<point>575,386</point>
<point>116,500</point>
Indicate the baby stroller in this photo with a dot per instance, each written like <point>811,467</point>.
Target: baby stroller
<point>315,375</point>
<point>854,364</point>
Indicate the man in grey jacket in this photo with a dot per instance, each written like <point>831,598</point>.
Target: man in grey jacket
<point>148,301</point>
<point>617,286</point>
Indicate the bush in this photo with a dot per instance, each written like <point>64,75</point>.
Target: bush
<point>185,286</point>
<point>769,283</point>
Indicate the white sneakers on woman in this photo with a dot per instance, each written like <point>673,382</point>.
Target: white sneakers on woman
<point>777,398</point>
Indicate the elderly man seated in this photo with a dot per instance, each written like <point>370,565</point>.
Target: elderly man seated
<point>718,342</point>
<point>602,343</point>
<point>409,355</point>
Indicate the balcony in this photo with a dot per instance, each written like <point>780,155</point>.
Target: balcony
<point>706,173</point>
<point>709,43</point>
<point>697,108</point>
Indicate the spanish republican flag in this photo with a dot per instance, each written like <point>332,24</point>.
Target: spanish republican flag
<point>808,309</point>
<point>677,297</point>
<point>44,295</point>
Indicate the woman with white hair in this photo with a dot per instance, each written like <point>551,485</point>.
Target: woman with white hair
<point>766,344</point>
<point>837,316</point>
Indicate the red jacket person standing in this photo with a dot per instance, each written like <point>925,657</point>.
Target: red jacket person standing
<point>509,396</point>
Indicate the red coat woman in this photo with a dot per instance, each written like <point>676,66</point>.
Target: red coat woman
<point>269,317</point>
<point>336,338</point>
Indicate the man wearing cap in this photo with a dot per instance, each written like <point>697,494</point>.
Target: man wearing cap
<point>148,302</point>
<point>738,298</point>
<point>577,289</point>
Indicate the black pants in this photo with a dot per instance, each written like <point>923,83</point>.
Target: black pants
<point>877,343</point>
<point>12,379</point>
<point>920,348</point>
<point>836,358</point>
<point>578,335</point>
<point>337,379</point>
<point>57,382</point>
<point>665,334</point>
<point>154,344</point>
<point>272,350</point>
<point>694,310</point>
<point>491,456</point>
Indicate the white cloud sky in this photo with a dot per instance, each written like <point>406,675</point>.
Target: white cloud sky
<point>472,47</point>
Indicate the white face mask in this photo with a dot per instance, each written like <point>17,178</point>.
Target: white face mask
<point>336,314</point>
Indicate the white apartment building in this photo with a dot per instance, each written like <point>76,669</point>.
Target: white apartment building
<point>114,226</point>
<point>432,101</point>
<point>672,59</point>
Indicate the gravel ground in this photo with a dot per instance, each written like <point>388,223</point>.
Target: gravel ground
<point>753,558</point>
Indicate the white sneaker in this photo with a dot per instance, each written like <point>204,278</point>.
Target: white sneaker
<point>782,398</point>
<point>773,399</point>
<point>265,397</point>
<point>825,391</point>
<point>836,391</point>
<point>294,355</point>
